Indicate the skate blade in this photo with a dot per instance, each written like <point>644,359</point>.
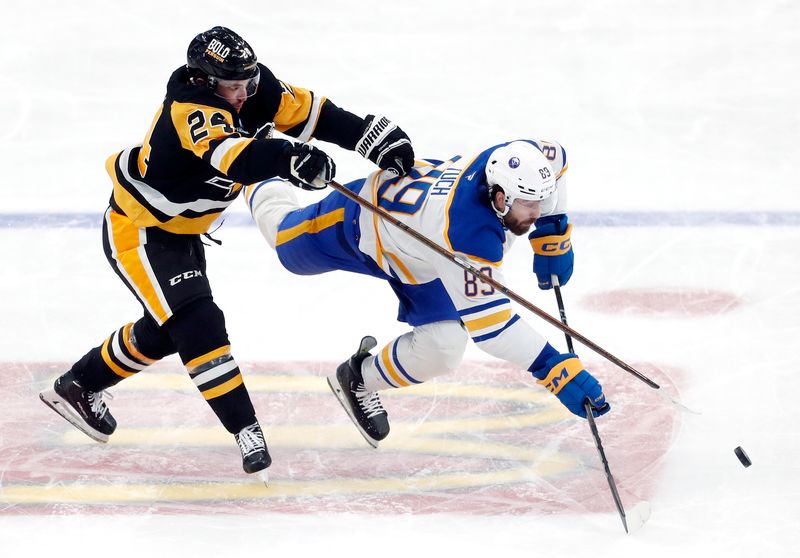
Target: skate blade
<point>55,402</point>
<point>264,476</point>
<point>333,383</point>
<point>637,516</point>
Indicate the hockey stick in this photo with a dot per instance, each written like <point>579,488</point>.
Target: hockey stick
<point>636,517</point>
<point>641,511</point>
<point>463,263</point>
<point>561,312</point>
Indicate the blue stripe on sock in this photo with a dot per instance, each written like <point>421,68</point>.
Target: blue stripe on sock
<point>385,379</point>
<point>399,366</point>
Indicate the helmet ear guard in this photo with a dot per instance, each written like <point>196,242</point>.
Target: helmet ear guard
<point>493,189</point>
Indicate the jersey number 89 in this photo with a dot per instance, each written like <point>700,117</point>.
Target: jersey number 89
<point>473,286</point>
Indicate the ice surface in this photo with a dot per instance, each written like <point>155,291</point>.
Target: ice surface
<point>665,107</point>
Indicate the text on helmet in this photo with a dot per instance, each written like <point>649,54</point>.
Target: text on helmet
<point>217,50</point>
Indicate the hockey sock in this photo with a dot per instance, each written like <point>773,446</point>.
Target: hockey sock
<point>219,380</point>
<point>428,351</point>
<point>198,332</point>
<point>116,359</point>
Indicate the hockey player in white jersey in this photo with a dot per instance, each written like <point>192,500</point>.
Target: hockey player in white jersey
<point>471,206</point>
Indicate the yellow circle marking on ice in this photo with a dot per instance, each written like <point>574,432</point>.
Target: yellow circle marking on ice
<point>424,437</point>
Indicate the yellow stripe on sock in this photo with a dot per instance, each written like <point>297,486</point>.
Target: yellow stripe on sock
<point>387,362</point>
<point>222,389</point>
<point>110,363</point>
<point>211,355</point>
<point>126,340</point>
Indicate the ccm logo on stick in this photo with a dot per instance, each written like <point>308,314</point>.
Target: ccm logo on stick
<point>185,275</point>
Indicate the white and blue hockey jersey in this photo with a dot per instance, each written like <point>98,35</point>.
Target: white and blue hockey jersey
<point>446,201</point>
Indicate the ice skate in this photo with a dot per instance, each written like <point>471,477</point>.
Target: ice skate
<point>82,408</point>
<point>255,456</point>
<point>363,407</point>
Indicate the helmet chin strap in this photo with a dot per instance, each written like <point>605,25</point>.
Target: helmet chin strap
<point>509,201</point>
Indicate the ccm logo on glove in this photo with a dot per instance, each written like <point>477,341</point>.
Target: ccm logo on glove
<point>560,374</point>
<point>553,245</point>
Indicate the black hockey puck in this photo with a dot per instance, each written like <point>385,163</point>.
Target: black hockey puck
<point>742,456</point>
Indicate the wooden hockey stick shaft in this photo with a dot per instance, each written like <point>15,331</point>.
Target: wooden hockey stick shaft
<point>463,263</point>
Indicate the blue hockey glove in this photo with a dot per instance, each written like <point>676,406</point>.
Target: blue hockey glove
<point>552,250</point>
<point>565,377</point>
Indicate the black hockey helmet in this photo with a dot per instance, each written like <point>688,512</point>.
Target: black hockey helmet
<point>221,54</point>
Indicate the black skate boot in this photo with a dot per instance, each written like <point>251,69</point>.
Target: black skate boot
<point>255,456</point>
<point>363,407</point>
<point>84,409</point>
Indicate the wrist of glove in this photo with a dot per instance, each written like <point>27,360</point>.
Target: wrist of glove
<point>307,167</point>
<point>566,378</point>
<point>386,145</point>
<point>552,250</point>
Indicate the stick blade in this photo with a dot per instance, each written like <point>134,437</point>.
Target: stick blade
<point>677,403</point>
<point>637,516</point>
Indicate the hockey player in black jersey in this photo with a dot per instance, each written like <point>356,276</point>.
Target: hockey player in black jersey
<point>210,135</point>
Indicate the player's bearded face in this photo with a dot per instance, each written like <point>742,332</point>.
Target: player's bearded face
<point>521,216</point>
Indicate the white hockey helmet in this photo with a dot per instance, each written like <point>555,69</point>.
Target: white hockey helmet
<point>522,171</point>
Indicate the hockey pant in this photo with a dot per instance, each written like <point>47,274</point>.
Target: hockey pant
<point>166,272</point>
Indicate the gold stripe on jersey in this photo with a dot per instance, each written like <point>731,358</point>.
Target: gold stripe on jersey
<point>563,170</point>
<point>208,357</point>
<point>144,153</point>
<point>129,205</point>
<point>142,217</point>
<point>227,151</point>
<point>128,252</point>
<point>407,272</point>
<point>375,221</point>
<point>294,108</point>
<point>198,125</point>
<point>311,226</point>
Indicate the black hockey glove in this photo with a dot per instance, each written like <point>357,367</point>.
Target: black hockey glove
<point>386,145</point>
<point>307,167</point>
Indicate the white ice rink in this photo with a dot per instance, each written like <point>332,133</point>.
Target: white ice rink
<point>682,126</point>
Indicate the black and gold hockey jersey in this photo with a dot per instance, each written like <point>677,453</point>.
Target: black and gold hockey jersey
<point>199,150</point>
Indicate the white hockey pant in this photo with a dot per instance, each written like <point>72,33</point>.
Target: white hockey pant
<point>421,354</point>
<point>269,205</point>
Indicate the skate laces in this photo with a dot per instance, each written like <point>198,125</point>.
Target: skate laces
<point>99,407</point>
<point>250,439</point>
<point>369,401</point>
